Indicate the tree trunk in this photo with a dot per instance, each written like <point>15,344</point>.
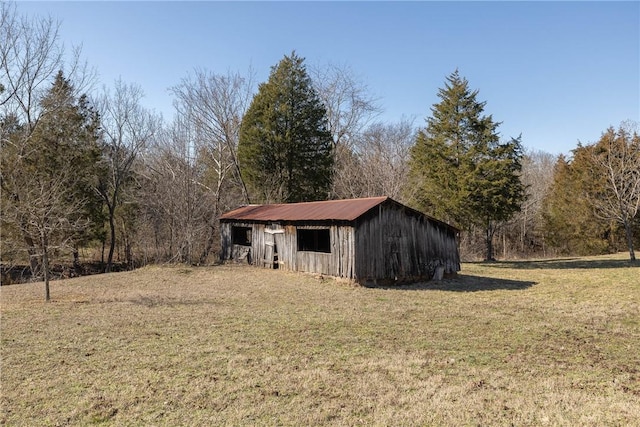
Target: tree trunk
<point>489,241</point>
<point>212,225</point>
<point>45,267</point>
<point>34,263</point>
<point>504,245</point>
<point>76,260</point>
<point>629,233</point>
<point>243,186</point>
<point>112,243</point>
<point>128,254</point>
<point>208,246</point>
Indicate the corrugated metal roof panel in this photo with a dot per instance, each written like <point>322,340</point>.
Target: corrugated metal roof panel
<point>330,210</point>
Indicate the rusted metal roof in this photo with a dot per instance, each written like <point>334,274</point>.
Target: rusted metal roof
<point>330,210</point>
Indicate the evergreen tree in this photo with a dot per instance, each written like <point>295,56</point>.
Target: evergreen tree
<point>285,148</point>
<point>68,132</point>
<point>616,156</point>
<point>47,176</point>
<point>569,221</point>
<point>595,198</point>
<point>459,170</point>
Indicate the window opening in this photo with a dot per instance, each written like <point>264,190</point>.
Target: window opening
<point>241,236</point>
<point>314,240</point>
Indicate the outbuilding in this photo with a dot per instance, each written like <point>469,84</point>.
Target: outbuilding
<point>372,239</point>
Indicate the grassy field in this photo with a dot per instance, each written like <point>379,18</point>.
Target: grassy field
<point>539,343</point>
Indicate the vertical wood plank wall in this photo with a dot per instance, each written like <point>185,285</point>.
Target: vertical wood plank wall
<point>340,262</point>
<point>393,244</point>
<point>388,243</point>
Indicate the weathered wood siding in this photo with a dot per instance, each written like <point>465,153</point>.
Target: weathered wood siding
<point>389,243</point>
<point>228,250</point>
<point>339,262</point>
<point>394,244</point>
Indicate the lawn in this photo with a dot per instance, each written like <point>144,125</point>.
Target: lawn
<point>549,342</point>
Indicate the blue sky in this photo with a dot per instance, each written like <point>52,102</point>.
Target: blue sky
<point>555,72</point>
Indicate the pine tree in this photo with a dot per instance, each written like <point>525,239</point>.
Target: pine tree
<point>285,148</point>
<point>459,170</point>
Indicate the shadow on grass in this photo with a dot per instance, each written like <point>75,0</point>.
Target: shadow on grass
<point>463,283</point>
<point>563,264</point>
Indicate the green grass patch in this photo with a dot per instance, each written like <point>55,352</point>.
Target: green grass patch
<point>549,342</point>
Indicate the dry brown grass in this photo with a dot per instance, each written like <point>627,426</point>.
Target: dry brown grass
<point>529,343</point>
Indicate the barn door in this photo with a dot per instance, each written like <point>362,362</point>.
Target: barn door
<point>269,250</point>
<point>273,238</point>
<point>278,248</point>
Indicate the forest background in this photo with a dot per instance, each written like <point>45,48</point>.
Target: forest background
<point>93,175</point>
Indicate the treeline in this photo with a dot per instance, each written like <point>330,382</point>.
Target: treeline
<point>93,173</point>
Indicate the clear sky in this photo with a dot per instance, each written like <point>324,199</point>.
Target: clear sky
<point>555,72</point>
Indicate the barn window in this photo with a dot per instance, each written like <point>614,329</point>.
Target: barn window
<point>241,236</point>
<point>315,240</point>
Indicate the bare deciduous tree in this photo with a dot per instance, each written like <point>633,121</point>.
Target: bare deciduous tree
<point>45,212</point>
<point>209,111</point>
<point>127,128</point>
<point>176,205</point>
<point>525,228</point>
<point>617,157</point>
<point>350,107</point>
<point>45,190</point>
<point>377,162</point>
<point>31,56</point>
<point>384,153</point>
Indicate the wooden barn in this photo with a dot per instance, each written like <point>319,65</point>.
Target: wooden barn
<point>368,240</point>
